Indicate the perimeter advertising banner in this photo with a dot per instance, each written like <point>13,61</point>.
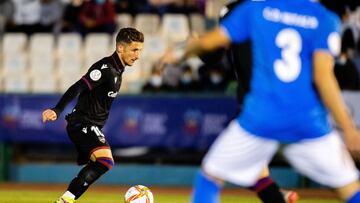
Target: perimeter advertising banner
<point>156,121</point>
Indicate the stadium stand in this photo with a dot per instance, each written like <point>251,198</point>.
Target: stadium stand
<point>124,20</point>
<point>175,27</point>
<point>147,23</point>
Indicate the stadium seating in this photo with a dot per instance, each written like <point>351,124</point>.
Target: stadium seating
<point>45,63</point>
<point>124,20</point>
<point>69,56</point>
<point>16,84</point>
<point>197,23</point>
<point>147,23</point>
<point>13,43</point>
<point>97,45</point>
<point>175,27</point>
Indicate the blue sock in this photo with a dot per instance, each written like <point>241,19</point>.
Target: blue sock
<point>206,190</point>
<point>355,198</point>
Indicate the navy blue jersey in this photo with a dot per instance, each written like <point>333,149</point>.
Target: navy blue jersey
<point>283,103</point>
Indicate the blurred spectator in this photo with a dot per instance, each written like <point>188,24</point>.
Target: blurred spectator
<point>97,16</point>
<point>156,82</point>
<point>171,76</point>
<point>126,6</point>
<point>70,18</point>
<point>51,12</point>
<point>187,82</point>
<point>6,13</point>
<point>357,57</point>
<point>26,17</point>
<point>174,6</point>
<point>213,78</point>
<point>345,69</point>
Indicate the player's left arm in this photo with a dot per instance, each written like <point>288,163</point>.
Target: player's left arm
<point>326,46</point>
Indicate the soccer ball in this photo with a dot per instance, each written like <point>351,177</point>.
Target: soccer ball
<point>139,194</point>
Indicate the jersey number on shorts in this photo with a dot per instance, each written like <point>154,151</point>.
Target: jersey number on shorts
<point>98,133</point>
<point>287,69</point>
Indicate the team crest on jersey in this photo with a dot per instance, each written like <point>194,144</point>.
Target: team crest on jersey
<point>95,75</point>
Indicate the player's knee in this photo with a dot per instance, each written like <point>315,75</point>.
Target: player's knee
<point>107,162</point>
<point>103,157</point>
<point>94,170</point>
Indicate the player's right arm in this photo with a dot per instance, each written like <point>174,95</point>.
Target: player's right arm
<point>53,113</point>
<point>233,29</point>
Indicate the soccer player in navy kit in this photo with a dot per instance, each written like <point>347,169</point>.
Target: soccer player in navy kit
<point>96,91</point>
<point>291,91</point>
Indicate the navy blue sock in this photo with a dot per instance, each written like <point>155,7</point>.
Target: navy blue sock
<point>355,198</point>
<point>205,190</point>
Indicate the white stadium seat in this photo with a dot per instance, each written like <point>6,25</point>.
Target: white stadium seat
<point>69,44</point>
<point>97,45</point>
<point>14,64</point>
<point>197,23</point>
<point>41,44</point>
<point>124,20</point>
<point>147,23</point>
<point>14,43</point>
<point>175,27</point>
<point>41,55</point>
<point>69,52</point>
<point>43,84</point>
<point>16,84</point>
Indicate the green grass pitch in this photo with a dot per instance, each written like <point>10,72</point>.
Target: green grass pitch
<point>12,196</point>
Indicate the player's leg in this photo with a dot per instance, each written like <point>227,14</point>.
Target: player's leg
<point>94,148</point>
<point>268,191</point>
<point>100,163</point>
<point>311,158</point>
<point>234,157</point>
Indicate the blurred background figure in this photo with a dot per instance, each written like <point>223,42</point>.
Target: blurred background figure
<point>70,17</point>
<point>188,83</point>
<point>97,16</point>
<point>51,13</point>
<point>155,83</point>
<point>6,13</point>
<point>213,78</point>
<point>26,17</point>
<point>128,6</point>
<point>345,69</point>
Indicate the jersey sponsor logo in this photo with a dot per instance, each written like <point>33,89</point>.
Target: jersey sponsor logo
<point>95,75</point>
<point>104,66</point>
<point>112,94</point>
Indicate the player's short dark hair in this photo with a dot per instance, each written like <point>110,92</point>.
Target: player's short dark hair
<point>128,35</point>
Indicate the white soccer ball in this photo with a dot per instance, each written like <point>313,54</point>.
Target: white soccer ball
<point>139,194</point>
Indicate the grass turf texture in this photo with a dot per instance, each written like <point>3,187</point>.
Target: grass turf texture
<point>12,196</point>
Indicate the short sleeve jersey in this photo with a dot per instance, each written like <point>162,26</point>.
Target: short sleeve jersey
<point>103,80</point>
<point>283,103</point>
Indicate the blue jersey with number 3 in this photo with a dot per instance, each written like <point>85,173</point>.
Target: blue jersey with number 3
<point>283,103</point>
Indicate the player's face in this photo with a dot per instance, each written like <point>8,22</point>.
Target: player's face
<point>129,53</point>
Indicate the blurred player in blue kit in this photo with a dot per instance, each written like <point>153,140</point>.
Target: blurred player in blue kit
<point>291,91</point>
<point>239,59</point>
